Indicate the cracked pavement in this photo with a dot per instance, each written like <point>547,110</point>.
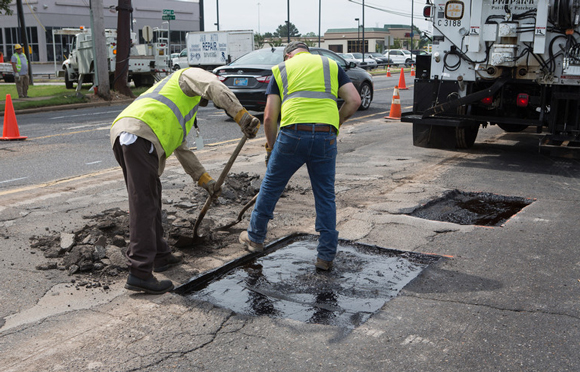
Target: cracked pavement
<point>504,298</point>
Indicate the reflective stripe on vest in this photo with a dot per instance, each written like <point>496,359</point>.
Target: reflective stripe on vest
<point>159,105</point>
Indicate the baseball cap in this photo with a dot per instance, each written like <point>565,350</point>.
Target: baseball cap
<point>295,45</point>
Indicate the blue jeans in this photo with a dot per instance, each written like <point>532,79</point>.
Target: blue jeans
<point>293,149</point>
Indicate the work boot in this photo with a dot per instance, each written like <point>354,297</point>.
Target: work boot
<point>171,260</point>
<point>151,285</point>
<point>249,244</point>
<point>323,265</point>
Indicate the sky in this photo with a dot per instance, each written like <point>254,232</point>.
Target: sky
<point>266,15</point>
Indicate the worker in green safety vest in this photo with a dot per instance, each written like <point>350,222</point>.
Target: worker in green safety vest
<point>20,67</point>
<point>143,136</point>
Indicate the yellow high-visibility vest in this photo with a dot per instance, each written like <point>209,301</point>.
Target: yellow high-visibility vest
<point>308,87</point>
<point>167,110</point>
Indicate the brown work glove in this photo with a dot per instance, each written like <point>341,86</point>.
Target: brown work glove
<point>268,153</point>
<point>209,184</point>
<point>248,123</point>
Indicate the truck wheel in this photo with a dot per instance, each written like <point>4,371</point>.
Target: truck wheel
<point>137,81</point>
<point>176,67</point>
<point>465,136</point>
<point>366,96</point>
<point>67,83</point>
<point>512,128</point>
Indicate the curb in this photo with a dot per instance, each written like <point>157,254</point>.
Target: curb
<point>73,106</point>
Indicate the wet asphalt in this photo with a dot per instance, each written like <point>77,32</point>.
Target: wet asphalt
<point>500,298</point>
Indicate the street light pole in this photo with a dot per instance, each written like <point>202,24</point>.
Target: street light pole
<point>319,18</point>
<point>217,6</point>
<point>288,24</point>
<point>412,28</point>
<point>363,32</point>
<point>258,18</point>
<point>357,34</point>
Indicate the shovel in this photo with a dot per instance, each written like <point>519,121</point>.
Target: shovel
<point>240,215</point>
<point>184,241</point>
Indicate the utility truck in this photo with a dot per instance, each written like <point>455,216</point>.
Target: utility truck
<point>511,63</point>
<point>209,50</point>
<point>146,61</point>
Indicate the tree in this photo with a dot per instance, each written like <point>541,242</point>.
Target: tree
<point>268,35</point>
<point>259,41</point>
<point>310,34</point>
<point>275,43</point>
<point>282,31</point>
<point>4,7</point>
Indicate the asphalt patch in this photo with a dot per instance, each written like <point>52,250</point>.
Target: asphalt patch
<point>471,208</point>
<point>283,282</point>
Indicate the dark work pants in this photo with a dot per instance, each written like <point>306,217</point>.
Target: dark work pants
<point>140,168</point>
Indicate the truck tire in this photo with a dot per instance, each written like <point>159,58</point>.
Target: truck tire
<point>9,78</point>
<point>465,136</point>
<point>137,81</point>
<point>512,128</point>
<point>67,83</point>
<point>366,96</point>
<point>176,67</point>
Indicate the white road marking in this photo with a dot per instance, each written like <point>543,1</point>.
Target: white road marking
<point>14,179</point>
<point>94,162</point>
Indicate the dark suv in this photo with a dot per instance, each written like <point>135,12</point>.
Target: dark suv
<point>248,76</point>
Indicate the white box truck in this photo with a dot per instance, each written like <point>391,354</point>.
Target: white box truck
<point>211,49</point>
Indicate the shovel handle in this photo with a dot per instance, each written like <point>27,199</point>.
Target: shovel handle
<point>218,184</point>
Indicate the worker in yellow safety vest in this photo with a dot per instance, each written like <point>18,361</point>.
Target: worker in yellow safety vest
<point>304,89</point>
<point>143,136</point>
<point>20,67</point>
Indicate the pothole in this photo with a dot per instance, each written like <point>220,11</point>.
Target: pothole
<point>283,282</point>
<point>471,208</point>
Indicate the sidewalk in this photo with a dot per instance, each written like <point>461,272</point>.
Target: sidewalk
<point>504,298</point>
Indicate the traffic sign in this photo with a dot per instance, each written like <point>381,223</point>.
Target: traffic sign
<point>168,17</point>
<point>169,11</point>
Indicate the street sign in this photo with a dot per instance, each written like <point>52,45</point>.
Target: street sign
<point>169,11</point>
<point>168,17</point>
<point>147,33</point>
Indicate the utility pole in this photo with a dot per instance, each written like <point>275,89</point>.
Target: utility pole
<point>288,24</point>
<point>24,37</point>
<point>201,17</point>
<point>124,10</point>
<point>101,78</point>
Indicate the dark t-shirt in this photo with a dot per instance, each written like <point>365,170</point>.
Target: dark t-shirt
<point>273,86</point>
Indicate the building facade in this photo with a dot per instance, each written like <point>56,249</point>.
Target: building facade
<point>349,40</point>
<point>42,17</point>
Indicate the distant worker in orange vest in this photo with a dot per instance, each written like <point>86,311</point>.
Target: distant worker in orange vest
<point>1,57</point>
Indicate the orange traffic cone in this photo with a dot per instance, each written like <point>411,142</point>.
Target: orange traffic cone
<point>412,70</point>
<point>402,85</point>
<point>10,130</point>
<point>389,71</point>
<point>395,112</point>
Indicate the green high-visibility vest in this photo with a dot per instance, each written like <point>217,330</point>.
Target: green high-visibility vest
<point>18,62</point>
<point>308,87</point>
<point>167,110</point>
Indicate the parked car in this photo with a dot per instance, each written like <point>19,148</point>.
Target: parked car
<point>179,61</point>
<point>400,57</point>
<point>368,63</point>
<point>248,76</point>
<point>379,58</point>
<point>348,58</point>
